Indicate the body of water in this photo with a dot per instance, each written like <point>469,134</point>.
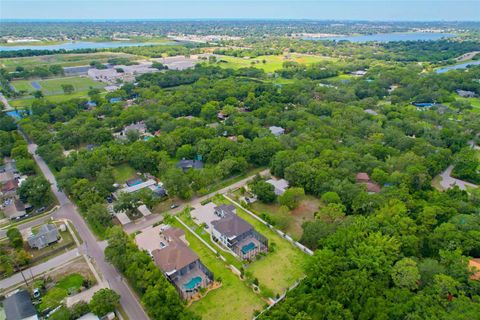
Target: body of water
<point>458,66</point>
<point>388,37</point>
<point>84,45</point>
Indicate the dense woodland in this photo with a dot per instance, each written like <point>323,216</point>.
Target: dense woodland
<point>401,253</point>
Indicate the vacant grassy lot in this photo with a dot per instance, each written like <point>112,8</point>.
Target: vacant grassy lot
<point>279,269</point>
<point>289,221</point>
<point>271,64</point>
<point>54,86</point>
<point>70,284</point>
<point>65,60</point>
<point>234,300</point>
<point>123,172</point>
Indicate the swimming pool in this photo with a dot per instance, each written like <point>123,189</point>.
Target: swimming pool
<point>18,114</point>
<point>247,248</point>
<point>193,283</point>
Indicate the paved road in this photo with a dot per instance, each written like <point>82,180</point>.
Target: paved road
<point>29,224</point>
<point>39,269</point>
<point>5,103</point>
<point>91,246</point>
<point>152,219</point>
<point>448,181</point>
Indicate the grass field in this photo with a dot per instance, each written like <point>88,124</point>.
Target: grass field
<point>27,102</point>
<point>54,86</point>
<point>289,221</point>
<point>123,172</point>
<point>279,269</point>
<point>65,60</point>
<point>234,300</point>
<point>272,63</point>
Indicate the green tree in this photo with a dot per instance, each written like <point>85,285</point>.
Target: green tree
<point>68,88</point>
<point>36,191</point>
<point>15,238</point>
<point>264,191</point>
<point>104,301</point>
<point>292,197</point>
<point>405,274</point>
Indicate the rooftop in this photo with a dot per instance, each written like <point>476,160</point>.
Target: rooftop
<point>19,306</point>
<point>187,164</point>
<point>232,226</point>
<point>276,130</point>
<point>175,254</point>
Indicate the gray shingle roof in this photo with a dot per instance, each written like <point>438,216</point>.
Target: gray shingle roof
<point>19,306</point>
<point>46,235</point>
<point>232,226</point>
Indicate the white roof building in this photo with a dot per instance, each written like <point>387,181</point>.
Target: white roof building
<point>280,185</point>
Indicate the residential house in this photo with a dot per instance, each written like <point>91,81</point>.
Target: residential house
<point>359,73</point>
<point>280,185</point>
<point>185,165</point>
<point>466,93</point>
<point>364,178</point>
<point>276,131</point>
<point>225,209</point>
<point>46,235</point>
<point>239,236</point>
<point>19,307</point>
<point>156,187</point>
<point>180,264</point>
<point>14,209</point>
<point>9,188</point>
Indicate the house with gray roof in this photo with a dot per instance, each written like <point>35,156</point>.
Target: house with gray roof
<point>190,164</point>
<point>238,235</point>
<point>276,131</point>
<point>19,307</point>
<point>280,185</point>
<point>46,235</point>
<point>14,209</point>
<point>225,209</point>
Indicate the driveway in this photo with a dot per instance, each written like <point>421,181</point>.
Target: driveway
<point>157,218</point>
<point>204,214</point>
<point>448,181</point>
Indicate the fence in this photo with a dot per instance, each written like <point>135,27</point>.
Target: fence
<point>281,233</point>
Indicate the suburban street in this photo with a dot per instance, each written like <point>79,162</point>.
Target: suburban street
<point>91,247</point>
<point>39,269</point>
<point>152,219</point>
<point>29,224</point>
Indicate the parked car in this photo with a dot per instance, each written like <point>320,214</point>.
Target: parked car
<point>173,206</point>
<point>40,210</point>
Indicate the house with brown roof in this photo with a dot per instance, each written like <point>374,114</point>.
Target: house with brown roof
<point>14,209</point>
<point>180,264</point>
<point>238,235</point>
<point>9,188</point>
<point>364,178</point>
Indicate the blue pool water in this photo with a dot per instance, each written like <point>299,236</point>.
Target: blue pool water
<point>36,85</point>
<point>424,104</point>
<point>193,283</point>
<point>18,114</point>
<point>247,248</point>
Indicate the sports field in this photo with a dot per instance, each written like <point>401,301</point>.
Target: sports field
<point>64,60</point>
<point>268,63</point>
<point>54,86</point>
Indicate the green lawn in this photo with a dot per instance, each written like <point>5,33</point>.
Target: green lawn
<point>65,60</point>
<point>278,270</point>
<point>234,300</point>
<point>54,296</point>
<point>54,86</point>
<point>27,102</point>
<point>272,63</point>
<point>123,172</point>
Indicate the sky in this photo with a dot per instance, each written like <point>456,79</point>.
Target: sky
<point>383,10</point>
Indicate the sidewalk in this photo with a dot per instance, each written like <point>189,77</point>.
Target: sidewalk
<point>35,271</point>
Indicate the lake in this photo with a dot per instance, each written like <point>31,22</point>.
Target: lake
<point>388,37</point>
<point>84,45</point>
<point>458,66</point>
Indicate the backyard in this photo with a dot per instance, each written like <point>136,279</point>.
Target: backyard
<point>279,269</point>
<point>233,300</point>
<point>123,173</point>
